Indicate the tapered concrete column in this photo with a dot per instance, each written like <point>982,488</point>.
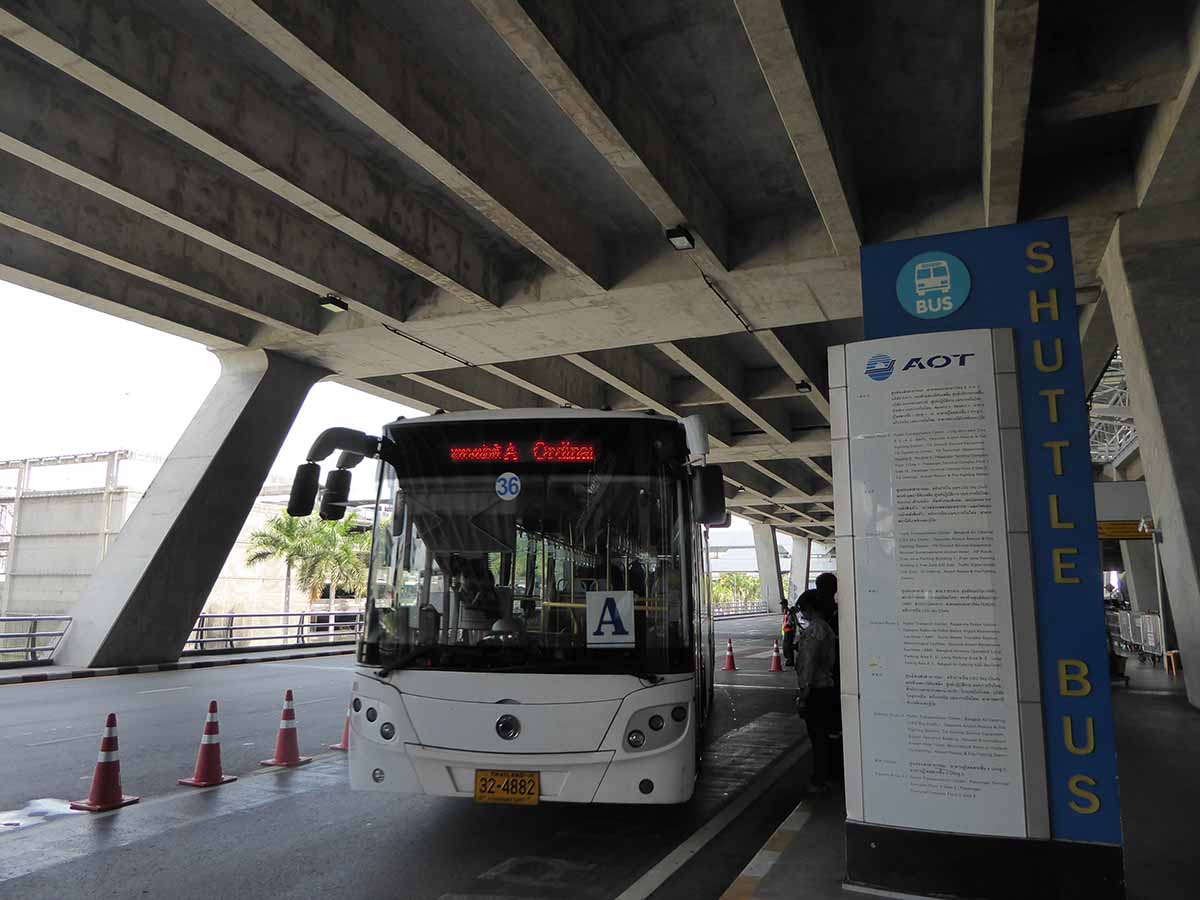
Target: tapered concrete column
<point>1151,270</point>
<point>1140,575</point>
<point>143,599</point>
<point>767,553</point>
<point>798,576</point>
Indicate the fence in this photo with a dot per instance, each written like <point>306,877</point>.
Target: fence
<point>222,632</point>
<point>740,608</point>
<point>30,639</point>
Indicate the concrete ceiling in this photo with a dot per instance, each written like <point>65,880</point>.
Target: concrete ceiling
<point>486,182</point>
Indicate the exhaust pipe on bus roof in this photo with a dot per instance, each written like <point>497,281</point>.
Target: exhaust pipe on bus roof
<point>354,446</point>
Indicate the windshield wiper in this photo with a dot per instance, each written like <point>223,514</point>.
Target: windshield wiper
<point>403,661</point>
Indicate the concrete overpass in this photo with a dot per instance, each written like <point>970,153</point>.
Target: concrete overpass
<point>467,205</point>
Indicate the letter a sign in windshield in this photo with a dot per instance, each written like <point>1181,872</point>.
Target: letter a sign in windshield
<point>610,619</point>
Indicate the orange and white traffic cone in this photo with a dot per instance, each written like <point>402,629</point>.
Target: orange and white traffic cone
<point>344,743</point>
<point>106,780</point>
<point>730,665</point>
<point>776,662</point>
<point>287,746</point>
<point>208,760</point>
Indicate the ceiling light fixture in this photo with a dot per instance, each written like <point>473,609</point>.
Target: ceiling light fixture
<point>803,387</point>
<point>681,238</point>
<point>333,303</point>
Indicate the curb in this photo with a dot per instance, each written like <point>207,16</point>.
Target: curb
<point>37,677</point>
<point>745,886</point>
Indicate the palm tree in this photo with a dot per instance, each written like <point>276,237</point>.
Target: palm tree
<point>336,555</point>
<point>283,538</point>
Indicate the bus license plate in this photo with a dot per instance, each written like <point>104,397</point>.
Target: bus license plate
<point>495,786</point>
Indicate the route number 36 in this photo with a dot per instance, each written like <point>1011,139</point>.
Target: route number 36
<point>508,486</point>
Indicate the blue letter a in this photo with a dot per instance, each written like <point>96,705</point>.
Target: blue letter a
<point>609,616</point>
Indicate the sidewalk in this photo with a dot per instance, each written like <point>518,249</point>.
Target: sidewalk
<point>33,674</point>
<point>1157,733</point>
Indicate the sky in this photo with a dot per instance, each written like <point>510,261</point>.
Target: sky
<point>79,381</point>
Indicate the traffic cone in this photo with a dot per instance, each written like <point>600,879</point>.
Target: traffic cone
<point>344,743</point>
<point>776,663</point>
<point>106,781</point>
<point>208,759</point>
<point>730,665</point>
<point>287,747</point>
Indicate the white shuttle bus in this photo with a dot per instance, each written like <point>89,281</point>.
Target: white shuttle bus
<point>538,625</point>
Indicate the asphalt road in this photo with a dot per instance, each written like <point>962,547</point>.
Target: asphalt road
<point>303,834</point>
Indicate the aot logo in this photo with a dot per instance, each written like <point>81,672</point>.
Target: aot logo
<point>937,361</point>
<point>880,367</point>
<point>932,285</point>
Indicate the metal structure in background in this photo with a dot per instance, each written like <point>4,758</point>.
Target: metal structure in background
<point>222,632</point>
<point>30,639</point>
<point>1113,433</point>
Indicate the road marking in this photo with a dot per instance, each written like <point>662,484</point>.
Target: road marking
<point>746,885</point>
<point>186,687</point>
<point>311,668</point>
<point>675,860</point>
<point>78,737</point>
<point>317,700</point>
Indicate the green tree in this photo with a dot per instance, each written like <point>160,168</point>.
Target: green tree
<point>320,553</point>
<point>732,588</point>
<point>285,538</point>
<point>336,555</point>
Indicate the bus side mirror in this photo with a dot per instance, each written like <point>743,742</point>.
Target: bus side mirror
<point>337,492</point>
<point>708,495</point>
<point>304,490</point>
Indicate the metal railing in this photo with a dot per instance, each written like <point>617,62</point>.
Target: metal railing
<point>30,639</point>
<point>223,632</point>
<point>740,608</point>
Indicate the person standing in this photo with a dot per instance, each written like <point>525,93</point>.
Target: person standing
<point>816,684</point>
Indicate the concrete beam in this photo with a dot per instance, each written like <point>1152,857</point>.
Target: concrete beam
<point>791,64</point>
<point>719,374</point>
<point>1009,36</point>
<point>566,51</point>
<point>778,498</point>
<point>758,385</point>
<point>61,213</point>
<point>43,265</point>
<point>419,394</point>
<point>341,50</point>
<point>159,73</point>
<point>1165,170</point>
<point>801,365</point>
<point>481,388</point>
<point>143,599</point>
<point>555,379</point>
<point>807,444</point>
<point>625,371</point>
<point>47,120</point>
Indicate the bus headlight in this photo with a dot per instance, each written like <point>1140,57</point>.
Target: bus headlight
<point>635,738</point>
<point>387,731</point>
<point>679,713</point>
<point>656,723</point>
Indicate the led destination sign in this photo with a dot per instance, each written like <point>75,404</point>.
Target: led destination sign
<point>538,451</point>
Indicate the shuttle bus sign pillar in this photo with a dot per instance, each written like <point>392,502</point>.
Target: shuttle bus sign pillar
<point>970,574</point>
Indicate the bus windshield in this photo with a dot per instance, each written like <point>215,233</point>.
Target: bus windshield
<point>556,545</point>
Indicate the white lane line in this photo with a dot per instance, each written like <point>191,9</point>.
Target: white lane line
<point>317,700</point>
<point>186,687</point>
<point>675,860</point>
<point>746,885</point>
<point>78,737</point>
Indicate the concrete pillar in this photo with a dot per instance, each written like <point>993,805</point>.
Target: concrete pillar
<point>798,577</point>
<point>143,599</point>
<point>766,551</point>
<point>10,580</point>
<point>1151,270</point>
<point>1140,574</point>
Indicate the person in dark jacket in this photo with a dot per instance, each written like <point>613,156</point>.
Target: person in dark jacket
<point>816,684</point>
